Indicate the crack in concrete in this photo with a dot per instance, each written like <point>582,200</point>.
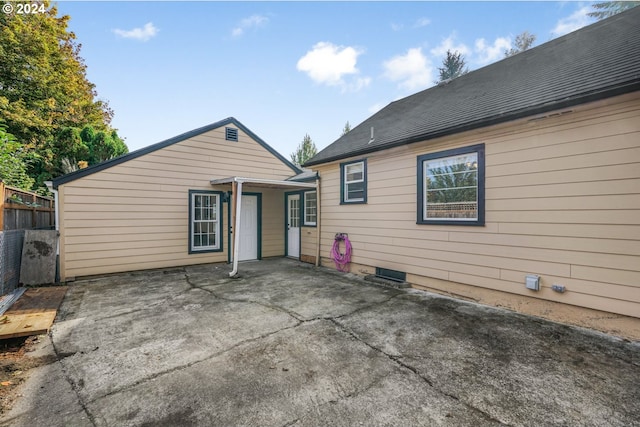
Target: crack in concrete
<point>291,313</point>
<point>60,356</point>
<point>400,362</point>
<point>339,398</point>
<point>190,364</point>
<point>300,320</point>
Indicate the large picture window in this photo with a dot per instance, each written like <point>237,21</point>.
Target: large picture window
<point>353,182</point>
<point>451,187</point>
<point>310,208</point>
<point>204,221</point>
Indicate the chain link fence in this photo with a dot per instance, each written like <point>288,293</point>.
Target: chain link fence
<point>11,243</point>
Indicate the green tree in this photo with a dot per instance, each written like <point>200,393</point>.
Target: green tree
<point>453,66</point>
<point>306,150</point>
<point>77,147</point>
<point>452,183</point>
<point>44,89</point>
<point>606,9</point>
<point>13,170</point>
<point>346,129</point>
<point>105,146</point>
<point>523,41</point>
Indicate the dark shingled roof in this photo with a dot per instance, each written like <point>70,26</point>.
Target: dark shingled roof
<point>595,62</point>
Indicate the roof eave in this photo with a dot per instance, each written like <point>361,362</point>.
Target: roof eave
<point>630,87</point>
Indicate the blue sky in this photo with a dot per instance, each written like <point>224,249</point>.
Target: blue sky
<point>286,69</point>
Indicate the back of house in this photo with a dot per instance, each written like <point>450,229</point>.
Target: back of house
<point>157,207</point>
<point>516,185</point>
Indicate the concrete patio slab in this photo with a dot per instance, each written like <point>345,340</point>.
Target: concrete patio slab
<point>288,344</point>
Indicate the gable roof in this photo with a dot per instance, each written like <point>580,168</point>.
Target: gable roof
<point>595,62</point>
<point>182,137</point>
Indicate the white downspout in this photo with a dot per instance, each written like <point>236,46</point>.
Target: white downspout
<point>236,230</point>
<point>318,221</point>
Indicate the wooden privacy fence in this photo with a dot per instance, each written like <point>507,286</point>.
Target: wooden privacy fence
<point>24,210</point>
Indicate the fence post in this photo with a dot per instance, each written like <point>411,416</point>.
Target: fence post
<point>4,196</point>
<point>34,212</point>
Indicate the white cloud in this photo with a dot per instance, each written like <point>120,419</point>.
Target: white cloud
<point>490,53</point>
<point>419,23</point>
<point>422,22</point>
<point>328,64</point>
<point>413,70</point>
<point>576,20</point>
<point>358,84</point>
<point>254,21</point>
<point>142,34</point>
<point>449,44</point>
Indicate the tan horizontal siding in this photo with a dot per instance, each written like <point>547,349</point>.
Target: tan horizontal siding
<point>599,176</point>
<point>272,223</point>
<point>119,237</point>
<point>602,231</point>
<point>562,201</point>
<point>308,238</point>
<point>134,215</point>
<point>140,262</point>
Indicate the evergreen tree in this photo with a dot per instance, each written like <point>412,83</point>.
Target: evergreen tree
<point>306,150</point>
<point>347,128</point>
<point>453,66</point>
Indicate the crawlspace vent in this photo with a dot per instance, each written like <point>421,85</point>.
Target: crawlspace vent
<point>396,276</point>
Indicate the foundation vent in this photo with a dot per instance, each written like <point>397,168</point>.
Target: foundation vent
<point>393,275</point>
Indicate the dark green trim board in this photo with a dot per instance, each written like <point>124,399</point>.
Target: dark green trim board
<point>259,196</point>
<point>286,222</point>
<point>364,175</point>
<point>479,150</point>
<point>182,137</point>
<point>219,215</point>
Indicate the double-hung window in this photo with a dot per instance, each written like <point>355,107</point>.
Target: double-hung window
<point>205,208</point>
<point>353,182</point>
<point>310,208</point>
<point>451,187</point>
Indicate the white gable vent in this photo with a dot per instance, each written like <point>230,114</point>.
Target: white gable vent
<point>231,134</point>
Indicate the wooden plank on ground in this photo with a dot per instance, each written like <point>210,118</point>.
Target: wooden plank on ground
<point>33,313</point>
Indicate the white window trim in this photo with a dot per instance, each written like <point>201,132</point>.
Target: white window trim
<point>356,181</point>
<point>193,221</point>
<point>311,223</point>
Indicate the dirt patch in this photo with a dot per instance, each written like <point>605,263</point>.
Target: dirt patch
<point>15,364</point>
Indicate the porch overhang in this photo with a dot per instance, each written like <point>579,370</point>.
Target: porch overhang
<point>236,189</point>
<point>260,182</point>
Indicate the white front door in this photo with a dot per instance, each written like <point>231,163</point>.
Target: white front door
<point>248,247</point>
<point>293,225</point>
